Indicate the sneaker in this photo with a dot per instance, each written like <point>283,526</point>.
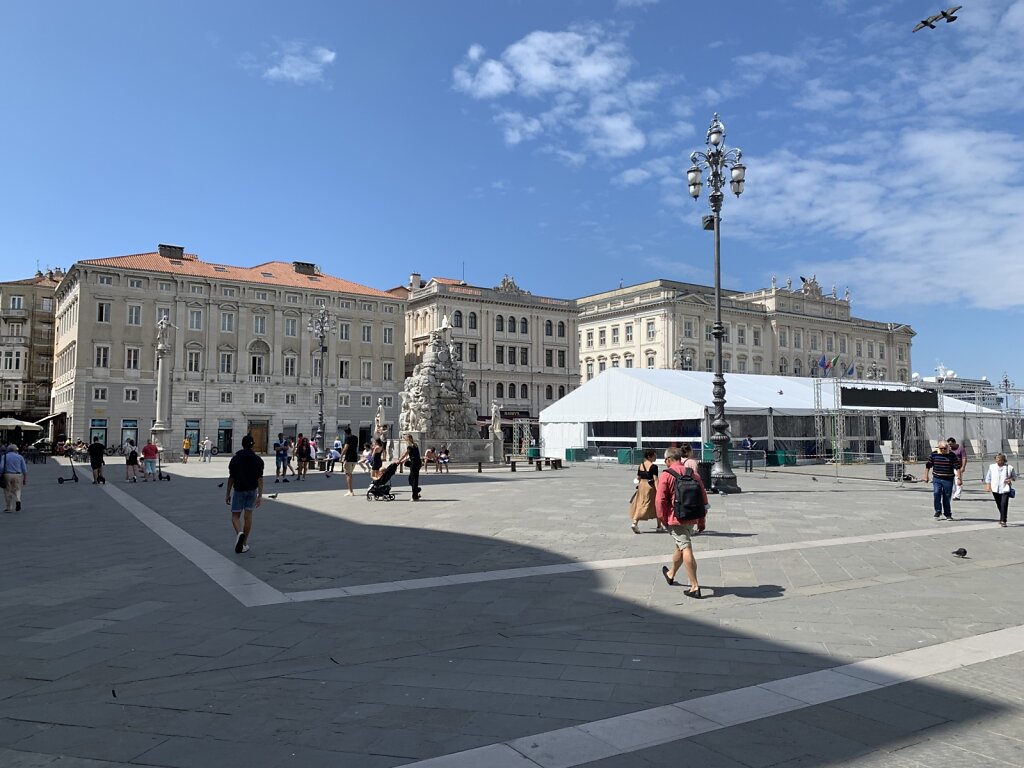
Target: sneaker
<point>278,481</point>
<point>349,493</point>
<point>245,548</point>
<point>938,515</point>
<point>949,517</point>
<point>17,506</point>
<point>240,544</point>
<point>283,481</point>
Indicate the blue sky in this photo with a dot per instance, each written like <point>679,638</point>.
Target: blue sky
<point>544,139</point>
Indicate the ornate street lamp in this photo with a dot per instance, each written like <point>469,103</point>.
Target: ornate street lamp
<point>873,373</point>
<point>682,359</point>
<point>321,325</point>
<point>716,161</point>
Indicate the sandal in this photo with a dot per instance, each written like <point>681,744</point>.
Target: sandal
<point>664,572</point>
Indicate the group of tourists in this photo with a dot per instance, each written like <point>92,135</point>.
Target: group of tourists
<point>947,464</point>
<point>303,450</point>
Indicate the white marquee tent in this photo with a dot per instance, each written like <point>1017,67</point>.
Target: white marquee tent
<point>630,399</point>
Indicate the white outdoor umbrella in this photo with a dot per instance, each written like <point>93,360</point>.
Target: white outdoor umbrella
<point>9,422</point>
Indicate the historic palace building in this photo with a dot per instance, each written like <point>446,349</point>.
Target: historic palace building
<point>26,345</point>
<point>668,324</point>
<point>243,361</point>
<point>516,348</point>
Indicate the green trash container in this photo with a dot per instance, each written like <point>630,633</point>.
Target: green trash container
<point>789,458</point>
<point>624,455</point>
<point>776,458</point>
<point>533,453</point>
<point>708,454</point>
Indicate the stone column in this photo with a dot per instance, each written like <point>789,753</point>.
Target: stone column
<point>163,394</point>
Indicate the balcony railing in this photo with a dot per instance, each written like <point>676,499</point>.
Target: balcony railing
<point>14,341</point>
<point>254,379</point>
<point>11,312</point>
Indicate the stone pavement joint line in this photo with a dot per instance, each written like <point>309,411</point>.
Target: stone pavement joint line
<point>615,736</point>
<point>250,591</point>
<point>235,580</point>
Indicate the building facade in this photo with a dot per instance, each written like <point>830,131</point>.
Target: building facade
<point>516,348</point>
<point>243,361</point>
<point>26,345</point>
<point>668,324</point>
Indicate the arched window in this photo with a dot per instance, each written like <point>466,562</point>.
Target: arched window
<point>472,389</point>
<point>783,366</point>
<point>797,367</point>
<point>549,328</point>
<point>472,321</point>
<point>523,327</point>
<point>511,391</point>
<point>549,392</point>
<point>524,392</point>
<point>499,323</point>
<point>457,319</point>
<point>561,330</point>
<point>499,390</point>
<point>511,324</point>
<point>561,391</point>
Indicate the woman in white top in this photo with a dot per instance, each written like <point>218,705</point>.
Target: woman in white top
<point>999,482</point>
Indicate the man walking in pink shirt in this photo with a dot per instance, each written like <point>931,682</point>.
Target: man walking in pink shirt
<point>681,504</point>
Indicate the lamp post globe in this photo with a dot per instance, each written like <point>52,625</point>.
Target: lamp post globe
<point>716,160</point>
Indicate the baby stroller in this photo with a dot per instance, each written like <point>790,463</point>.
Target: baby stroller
<point>380,489</point>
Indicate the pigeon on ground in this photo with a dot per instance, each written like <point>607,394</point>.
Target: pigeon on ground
<point>814,479</point>
<point>272,496</point>
<point>960,552</point>
<point>220,485</point>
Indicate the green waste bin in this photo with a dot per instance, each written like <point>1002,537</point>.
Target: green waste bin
<point>776,458</point>
<point>708,454</point>
<point>625,455</point>
<point>533,453</point>
<point>788,458</point>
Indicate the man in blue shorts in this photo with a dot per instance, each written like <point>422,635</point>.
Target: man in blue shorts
<point>280,458</point>
<point>245,478</point>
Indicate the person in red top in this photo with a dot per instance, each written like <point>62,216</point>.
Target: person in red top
<point>149,452</point>
<point>681,529</point>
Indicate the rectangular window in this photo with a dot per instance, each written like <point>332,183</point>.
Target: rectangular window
<point>389,335</point>
<point>105,280</point>
<point>472,353</point>
<point>842,345</point>
<point>256,365</point>
<point>102,357</point>
<point>590,339</point>
<point>590,371</point>
<point>227,322</point>
<point>388,371</point>
<point>615,334</point>
<point>343,399</point>
<point>881,351</point>
<point>131,358</point>
<point>291,365</point>
<point>629,332</point>
<point>225,397</point>
<point>524,356</point>
<point>709,365</point>
<point>259,295</point>
<point>757,337</point>
<point>741,334</point>
<point>227,362</point>
<point>17,302</point>
<point>259,398</point>
<point>782,338</point>
<point>344,331</point>
<point>725,333</point>
<point>193,396</point>
<point>289,399</point>
<point>741,366</point>
<point>561,358</point>
<point>320,301</point>
<point>499,354</point>
<point>368,306</point>
<point>291,327</point>
<point>259,324</point>
<point>814,342</point>
<point>316,367</point>
<point>757,366</point>
<point>344,369</point>
<point>229,292</point>
<point>549,358</point>
<point>194,361</point>
<point>601,366</point>
<point>163,313</point>
<point>367,334</point>
<point>511,356</point>
<point>12,359</point>
<point>859,350</point>
<point>102,311</point>
<point>99,394</point>
<point>389,309</point>
<point>364,400</point>
<point>131,395</point>
<point>797,340</point>
<point>688,329</point>
<point>602,337</point>
<point>197,289</point>
<point>366,369</point>
<point>134,282</point>
<point>829,344</point>
<point>708,332</point>
<point>901,352</point>
<point>629,362</point>
<point>650,361</point>
<point>164,287</point>
<point>195,319</point>
<point>650,331</point>
<point>871,349</point>
<point>292,298</point>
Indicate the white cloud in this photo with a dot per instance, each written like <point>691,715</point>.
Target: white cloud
<point>300,64</point>
<point>573,86</point>
<point>620,4</point>
<point>817,97</point>
<point>633,176</point>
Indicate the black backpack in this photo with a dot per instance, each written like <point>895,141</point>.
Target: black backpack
<point>687,500</point>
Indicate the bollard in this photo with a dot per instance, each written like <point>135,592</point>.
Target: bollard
<point>539,466</point>
<point>479,467</point>
<point>513,465</point>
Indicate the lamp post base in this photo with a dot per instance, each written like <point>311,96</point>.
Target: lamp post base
<point>724,483</point>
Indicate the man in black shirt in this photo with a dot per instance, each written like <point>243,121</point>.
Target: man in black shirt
<point>245,478</point>
<point>96,451</point>
<point>349,456</point>
<point>945,468</point>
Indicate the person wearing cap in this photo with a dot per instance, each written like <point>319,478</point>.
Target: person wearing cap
<point>245,480</point>
<point>206,449</point>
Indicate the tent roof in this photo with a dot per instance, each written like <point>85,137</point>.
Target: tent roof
<point>631,394</point>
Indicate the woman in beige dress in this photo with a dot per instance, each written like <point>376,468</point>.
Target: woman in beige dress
<point>642,506</point>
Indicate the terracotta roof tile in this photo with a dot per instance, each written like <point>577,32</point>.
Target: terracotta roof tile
<point>276,273</point>
<point>447,281</point>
